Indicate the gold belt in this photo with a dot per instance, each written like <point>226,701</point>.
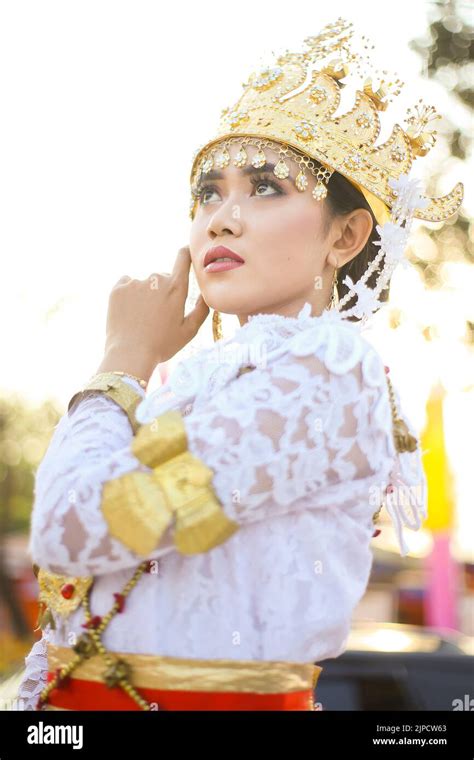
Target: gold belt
<point>156,671</point>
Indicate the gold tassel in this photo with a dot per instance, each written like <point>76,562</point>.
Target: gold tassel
<point>404,440</point>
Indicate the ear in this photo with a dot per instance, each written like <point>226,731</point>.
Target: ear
<point>354,231</point>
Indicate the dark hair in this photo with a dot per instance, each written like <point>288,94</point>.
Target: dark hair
<point>342,198</point>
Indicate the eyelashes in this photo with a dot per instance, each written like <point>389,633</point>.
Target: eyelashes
<point>255,179</point>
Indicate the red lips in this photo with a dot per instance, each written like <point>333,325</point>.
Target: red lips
<point>219,251</point>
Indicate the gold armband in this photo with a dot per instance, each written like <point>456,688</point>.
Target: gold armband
<point>116,389</point>
<point>160,440</point>
<point>136,511</point>
<point>200,523</point>
<point>139,506</point>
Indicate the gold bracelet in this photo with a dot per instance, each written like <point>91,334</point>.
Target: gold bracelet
<point>116,389</point>
<point>143,383</point>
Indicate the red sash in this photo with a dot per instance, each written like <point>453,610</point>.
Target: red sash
<point>79,694</point>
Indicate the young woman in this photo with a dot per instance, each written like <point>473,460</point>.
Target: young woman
<point>204,546</point>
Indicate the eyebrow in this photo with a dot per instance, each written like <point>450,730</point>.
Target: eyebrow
<point>213,174</point>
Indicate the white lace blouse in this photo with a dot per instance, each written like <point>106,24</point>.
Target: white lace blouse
<point>302,453</point>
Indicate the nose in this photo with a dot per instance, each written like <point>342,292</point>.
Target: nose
<point>225,220</point>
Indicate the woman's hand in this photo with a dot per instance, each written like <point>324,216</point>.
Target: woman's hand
<point>145,320</point>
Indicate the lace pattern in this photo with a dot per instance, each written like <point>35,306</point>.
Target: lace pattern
<point>301,449</point>
<point>34,677</point>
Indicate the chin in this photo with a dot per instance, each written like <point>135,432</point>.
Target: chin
<point>224,304</point>
<point>229,300</point>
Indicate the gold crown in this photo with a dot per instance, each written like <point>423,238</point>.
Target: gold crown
<point>293,102</point>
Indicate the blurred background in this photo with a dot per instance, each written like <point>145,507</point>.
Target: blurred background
<point>104,105</point>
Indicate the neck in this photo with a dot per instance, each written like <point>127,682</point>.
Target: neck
<point>290,308</point>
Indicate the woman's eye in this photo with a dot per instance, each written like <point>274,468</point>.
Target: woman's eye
<point>203,193</point>
<point>264,182</point>
<point>256,182</point>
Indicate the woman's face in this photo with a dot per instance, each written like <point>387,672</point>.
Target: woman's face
<point>279,232</point>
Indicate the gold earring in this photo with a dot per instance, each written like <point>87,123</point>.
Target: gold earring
<point>334,296</point>
<point>216,326</point>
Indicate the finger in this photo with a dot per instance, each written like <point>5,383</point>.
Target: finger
<point>155,276</point>
<point>182,266</point>
<point>195,318</point>
<point>124,278</point>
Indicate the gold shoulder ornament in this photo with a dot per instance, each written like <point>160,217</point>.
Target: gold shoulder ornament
<point>59,594</point>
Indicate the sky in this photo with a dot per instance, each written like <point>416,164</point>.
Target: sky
<point>104,104</point>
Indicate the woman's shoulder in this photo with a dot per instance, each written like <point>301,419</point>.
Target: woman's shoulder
<point>340,345</point>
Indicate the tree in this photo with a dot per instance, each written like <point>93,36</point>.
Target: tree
<point>448,52</point>
<point>24,437</point>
